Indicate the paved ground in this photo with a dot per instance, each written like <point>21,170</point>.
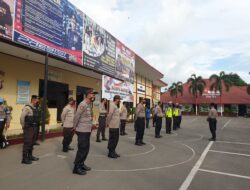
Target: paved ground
<point>183,160</point>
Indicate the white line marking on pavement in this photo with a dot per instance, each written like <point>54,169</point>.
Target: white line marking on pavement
<point>46,155</point>
<point>196,167</point>
<point>233,153</point>
<point>153,168</point>
<point>226,124</point>
<point>222,173</point>
<point>193,120</point>
<point>229,142</point>
<point>61,156</point>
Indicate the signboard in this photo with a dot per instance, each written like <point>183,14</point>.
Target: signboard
<point>98,47</point>
<point>112,87</point>
<point>6,18</point>
<point>53,26</point>
<point>125,63</point>
<point>23,92</point>
<point>141,89</point>
<point>211,94</point>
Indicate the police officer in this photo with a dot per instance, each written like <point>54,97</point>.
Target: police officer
<point>175,116</point>
<point>158,114</point>
<point>67,117</point>
<point>102,120</point>
<point>124,116</point>
<point>169,116</point>
<point>179,116</point>
<point>37,131</point>
<point>30,119</point>
<point>140,122</point>
<point>212,120</point>
<point>83,121</point>
<point>4,122</point>
<point>113,122</point>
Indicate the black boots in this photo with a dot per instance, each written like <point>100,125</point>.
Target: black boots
<point>85,168</point>
<point>98,139</point>
<point>104,139</point>
<point>113,154</point>
<point>26,159</point>
<point>78,170</point>
<point>32,158</point>
<point>67,149</point>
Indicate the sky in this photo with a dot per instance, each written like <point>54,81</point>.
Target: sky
<point>180,37</point>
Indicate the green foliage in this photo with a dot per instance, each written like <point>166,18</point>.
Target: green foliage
<point>234,108</point>
<point>204,108</point>
<point>187,108</point>
<point>235,79</point>
<point>227,110</point>
<point>196,85</point>
<point>176,88</point>
<point>219,80</point>
<point>47,111</point>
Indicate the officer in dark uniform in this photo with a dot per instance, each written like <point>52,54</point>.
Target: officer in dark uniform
<point>102,120</point>
<point>30,119</point>
<point>38,126</point>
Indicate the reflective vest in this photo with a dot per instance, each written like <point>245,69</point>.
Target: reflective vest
<point>169,112</point>
<point>176,112</point>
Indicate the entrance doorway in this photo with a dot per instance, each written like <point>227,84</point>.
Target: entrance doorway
<point>242,110</point>
<point>57,95</point>
<point>80,94</point>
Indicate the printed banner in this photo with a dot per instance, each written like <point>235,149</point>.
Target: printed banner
<point>125,63</point>
<point>112,87</point>
<point>6,18</point>
<point>53,26</point>
<point>23,92</point>
<point>98,48</point>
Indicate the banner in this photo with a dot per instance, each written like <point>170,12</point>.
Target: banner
<point>112,87</point>
<point>6,18</point>
<point>23,92</point>
<point>98,48</point>
<point>53,26</point>
<point>125,63</point>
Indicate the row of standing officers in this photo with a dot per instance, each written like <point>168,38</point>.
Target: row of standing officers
<point>80,121</point>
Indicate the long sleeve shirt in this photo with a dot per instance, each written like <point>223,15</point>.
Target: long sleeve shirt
<point>113,118</point>
<point>67,116</point>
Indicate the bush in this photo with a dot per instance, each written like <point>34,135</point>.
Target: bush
<point>47,111</point>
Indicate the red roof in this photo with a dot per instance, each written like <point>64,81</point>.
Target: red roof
<point>235,95</point>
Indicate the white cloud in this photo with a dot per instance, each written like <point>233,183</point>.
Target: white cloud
<point>179,37</point>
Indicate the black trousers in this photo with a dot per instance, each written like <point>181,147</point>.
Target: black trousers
<point>154,119</point>
<point>68,134</point>
<point>168,125</point>
<point>29,138</point>
<point>123,126</point>
<point>147,122</point>
<point>37,131</point>
<point>179,121</point>
<point>2,138</point>
<point>212,126</point>
<point>175,122</point>
<point>113,139</point>
<point>83,147</point>
<point>102,126</point>
<point>158,126</point>
<point>140,128</point>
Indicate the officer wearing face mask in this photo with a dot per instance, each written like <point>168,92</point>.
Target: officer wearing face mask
<point>82,124</point>
<point>30,119</point>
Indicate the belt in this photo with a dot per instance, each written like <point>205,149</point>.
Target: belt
<point>102,115</point>
<point>2,119</point>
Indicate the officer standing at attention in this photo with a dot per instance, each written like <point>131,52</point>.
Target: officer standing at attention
<point>179,116</point>
<point>124,116</point>
<point>4,122</point>
<point>102,120</point>
<point>67,117</point>
<point>38,126</point>
<point>169,116</point>
<point>140,122</point>
<point>30,119</point>
<point>113,122</point>
<point>175,116</point>
<point>83,121</point>
<point>158,114</point>
<point>212,115</point>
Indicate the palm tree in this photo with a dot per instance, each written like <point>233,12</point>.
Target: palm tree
<point>176,88</point>
<point>217,84</point>
<point>196,87</point>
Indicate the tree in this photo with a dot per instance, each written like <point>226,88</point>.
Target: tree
<point>175,89</point>
<point>196,87</point>
<point>234,79</point>
<point>218,81</point>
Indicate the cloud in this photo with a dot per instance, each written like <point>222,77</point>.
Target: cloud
<point>180,37</point>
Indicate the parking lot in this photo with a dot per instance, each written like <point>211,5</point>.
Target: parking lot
<point>182,160</point>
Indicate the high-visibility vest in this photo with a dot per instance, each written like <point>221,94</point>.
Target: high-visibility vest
<point>169,112</point>
<point>176,112</point>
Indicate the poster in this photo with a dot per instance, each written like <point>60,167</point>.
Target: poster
<point>125,63</point>
<point>6,18</point>
<point>23,92</point>
<point>112,87</point>
<point>98,47</point>
<point>53,26</point>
